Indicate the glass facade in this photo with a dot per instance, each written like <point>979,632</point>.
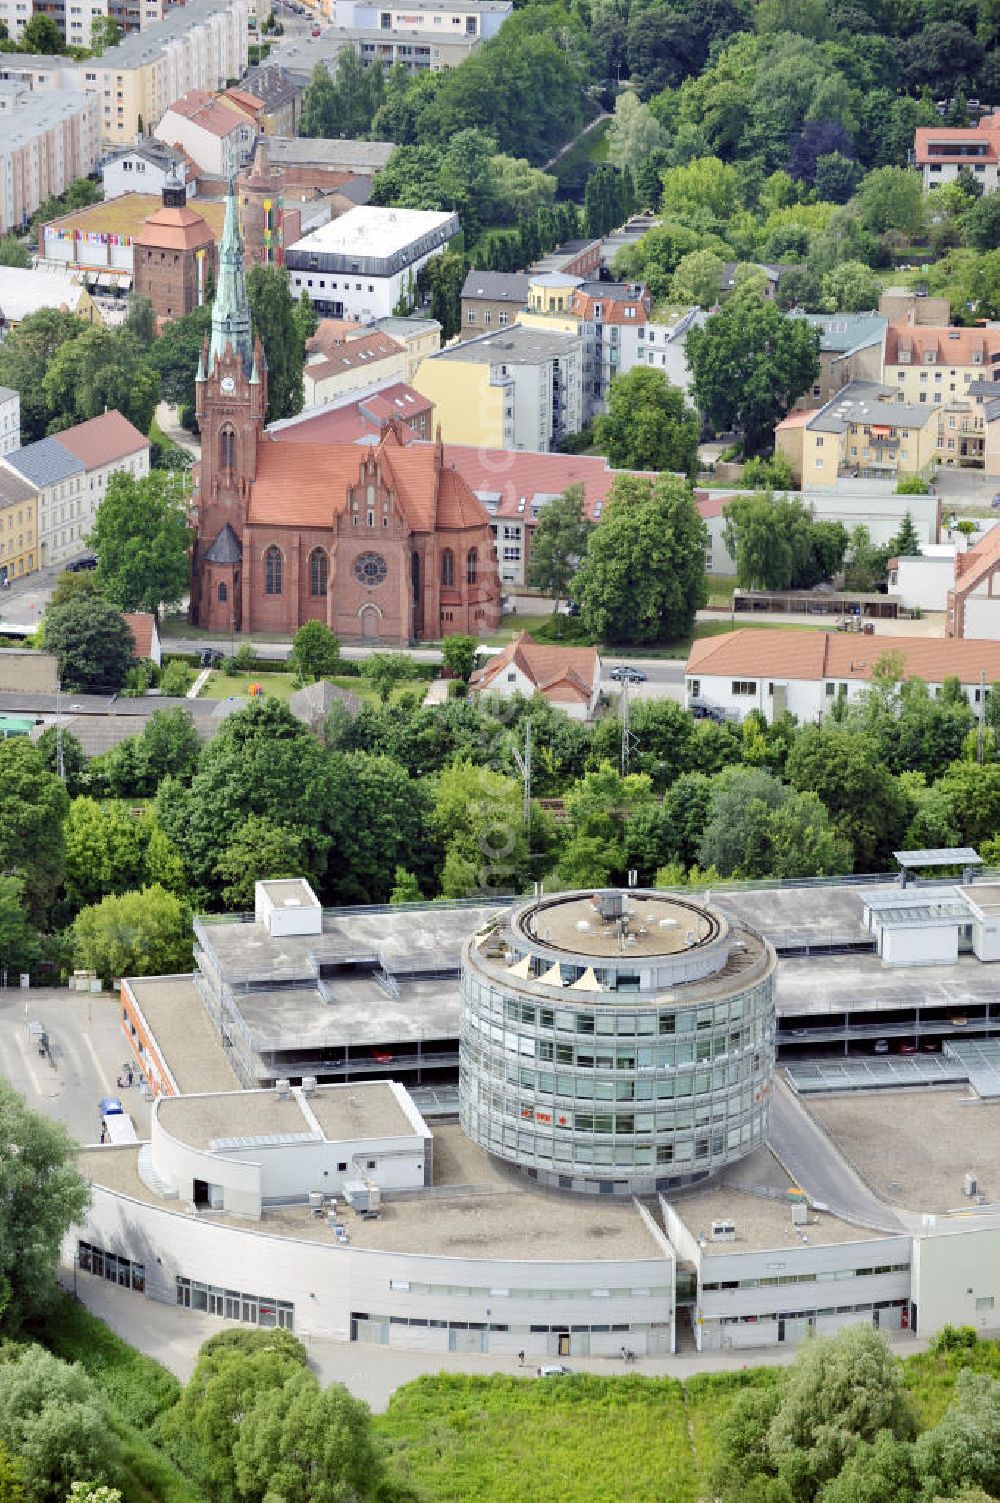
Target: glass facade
<point>624,1088</point>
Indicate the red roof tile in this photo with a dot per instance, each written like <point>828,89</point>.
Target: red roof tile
<point>103,439</point>
<point>950,346</point>
<point>566,672</point>
<point>142,626</point>
<point>817,655</point>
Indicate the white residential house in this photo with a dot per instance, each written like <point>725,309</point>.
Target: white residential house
<point>71,473</point>
<point>145,168</point>
<point>807,672</point>
<point>568,677</point>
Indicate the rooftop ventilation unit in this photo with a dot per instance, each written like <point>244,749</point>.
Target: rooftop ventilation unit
<point>308,1085</point>
<point>283,1090</point>
<point>723,1231</point>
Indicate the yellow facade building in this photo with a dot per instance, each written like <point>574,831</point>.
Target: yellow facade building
<point>933,366</point>
<point>18,527</point>
<point>864,433</point>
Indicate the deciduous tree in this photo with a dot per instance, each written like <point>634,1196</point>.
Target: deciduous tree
<point>141,537</point>
<point>274,319</point>
<point>643,576</point>
<point>315,651</point>
<point>145,933</point>
<point>33,805</point>
<point>559,542</point>
<point>91,639</point>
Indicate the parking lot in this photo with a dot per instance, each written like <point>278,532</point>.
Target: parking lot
<point>83,1061</point>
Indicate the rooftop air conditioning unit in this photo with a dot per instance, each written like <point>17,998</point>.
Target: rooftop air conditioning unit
<point>283,1089</point>
<point>308,1085</point>
<point>723,1231</point>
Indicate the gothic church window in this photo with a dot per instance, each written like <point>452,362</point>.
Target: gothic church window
<point>272,571</point>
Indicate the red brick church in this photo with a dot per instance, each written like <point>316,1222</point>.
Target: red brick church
<point>382,542</point>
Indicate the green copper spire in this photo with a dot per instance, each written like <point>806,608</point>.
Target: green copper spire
<point>231,309</point>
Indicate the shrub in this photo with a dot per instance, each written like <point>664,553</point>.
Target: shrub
<point>176,679</point>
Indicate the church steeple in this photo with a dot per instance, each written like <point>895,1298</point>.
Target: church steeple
<point>231,309</point>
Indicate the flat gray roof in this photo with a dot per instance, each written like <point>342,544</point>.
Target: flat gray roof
<point>816,985</point>
<point>761,1221</point>
<point>793,917</point>
<point>184,1032</point>
<point>493,1212</point>
<point>860,400</point>
<point>344,1113</point>
<point>516,344</point>
<point>914,1147</point>
<point>360,1013</point>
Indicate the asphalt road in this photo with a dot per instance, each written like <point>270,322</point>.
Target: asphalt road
<point>814,1163</point>
<point>87,1051</point>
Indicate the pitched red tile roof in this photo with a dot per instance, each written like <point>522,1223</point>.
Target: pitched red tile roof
<point>219,116</point>
<point>103,439</point>
<point>817,655</point>
<point>142,626</point>
<point>950,346</point>
<point>516,476</point>
<point>350,354</point>
<point>175,229</point>
<point>558,672</point>
<point>986,133</point>
<point>349,422</point>
<point>306,485</point>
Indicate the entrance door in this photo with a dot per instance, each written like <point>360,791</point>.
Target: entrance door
<point>369,622</point>
<point>564,1343</point>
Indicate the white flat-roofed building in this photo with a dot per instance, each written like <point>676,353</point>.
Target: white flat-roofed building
<point>364,263</point>
<point>474,18</point>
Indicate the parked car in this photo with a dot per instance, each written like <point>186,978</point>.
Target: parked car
<point>211,657</point>
<point>77,565</point>
<point>930,1046</point>
<point>881,1046</point>
<point>381,1058</point>
<point>554,1370</point>
<point>624,673</point>
<point>316,31</point>
<point>907,1047</point>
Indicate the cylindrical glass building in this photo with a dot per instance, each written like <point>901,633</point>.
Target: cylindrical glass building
<point>616,1042</point>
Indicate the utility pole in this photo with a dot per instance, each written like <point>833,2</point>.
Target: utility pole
<point>60,761</point>
<point>523,761</point>
<point>981,728</point>
<point>628,739</point>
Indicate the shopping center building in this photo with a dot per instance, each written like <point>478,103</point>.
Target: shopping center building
<point>629,1169</point>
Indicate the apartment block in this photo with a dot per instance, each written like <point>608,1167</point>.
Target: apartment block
<point>519,388</point>
<point>47,141</point>
<point>69,474</point>
<point>867,433</point>
<point>18,526</point>
<point>938,365</point>
<point>215,132</point>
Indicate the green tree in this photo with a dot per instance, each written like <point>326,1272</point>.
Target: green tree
<point>301,1441</point>
<point>850,288</point>
<point>33,805</point>
<point>478,819</point>
<point>697,279</point>
<point>93,1492</point>
<point>405,888</point>
<point>259,851</point>
<point>104,33</point>
<point>14,252</point>
<point>42,35</point>
<point>41,1196</point>
<point>634,133</point>
<point>101,370</point>
<point>974,792</point>
<point>306,318</point>
<point>867,803</point>
<point>232,1369</point>
<point>25,356</point>
<point>52,1417</point>
<point>386,670</point>
<point>648,425</point>
<point>750,363</point>
<point>459,654</point>
<point>643,576</point>
<point>73,759</point>
<point>963,1449</point>
<point>140,319</point>
<point>384,816</point>
<point>146,933</point>
<point>892,198</point>
<point>315,651</point>
<point>559,542</point>
<point>879,1471</point>
<point>446,275</point>
<point>756,827</point>
<point>274,319</point>
<point>265,762</point>
<point>91,639</point>
<point>18,940</point>
<point>11,1478</point>
<point>777,545</point>
<point>836,177</point>
<point>105,850</point>
<point>141,537</point>
<point>705,191</point>
<point>175,356</point>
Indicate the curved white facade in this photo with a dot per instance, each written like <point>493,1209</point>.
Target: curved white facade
<point>617,1042</point>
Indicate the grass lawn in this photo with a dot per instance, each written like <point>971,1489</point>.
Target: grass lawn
<point>592,147</point>
<point>720,590</point>
<point>220,685</point>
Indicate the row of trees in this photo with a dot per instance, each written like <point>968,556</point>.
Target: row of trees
<point>413,801</point>
<point>67,371</point>
<point>777,544</point>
